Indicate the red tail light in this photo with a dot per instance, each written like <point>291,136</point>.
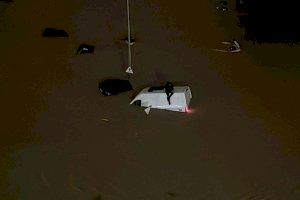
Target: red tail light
<point>189,110</point>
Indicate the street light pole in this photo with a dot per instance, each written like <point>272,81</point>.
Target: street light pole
<point>129,69</point>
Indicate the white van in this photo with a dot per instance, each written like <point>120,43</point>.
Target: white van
<point>156,97</point>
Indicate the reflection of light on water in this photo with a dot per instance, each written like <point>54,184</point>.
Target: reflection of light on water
<point>189,110</point>
<point>197,111</point>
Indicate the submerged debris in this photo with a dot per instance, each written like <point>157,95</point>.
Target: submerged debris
<point>222,6</point>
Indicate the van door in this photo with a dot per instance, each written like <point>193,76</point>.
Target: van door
<point>145,104</point>
<point>188,95</point>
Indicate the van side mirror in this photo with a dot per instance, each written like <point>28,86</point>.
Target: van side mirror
<point>147,110</point>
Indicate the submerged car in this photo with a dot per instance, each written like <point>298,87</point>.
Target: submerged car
<point>110,87</point>
<point>156,97</point>
<point>51,32</point>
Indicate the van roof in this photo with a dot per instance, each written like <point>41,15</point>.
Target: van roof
<point>177,89</point>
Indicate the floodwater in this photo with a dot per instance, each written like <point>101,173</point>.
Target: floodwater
<point>270,21</point>
<point>241,141</point>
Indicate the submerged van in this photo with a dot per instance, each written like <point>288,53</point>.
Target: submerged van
<point>156,97</point>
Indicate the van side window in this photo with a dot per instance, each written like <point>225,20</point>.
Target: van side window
<point>137,103</point>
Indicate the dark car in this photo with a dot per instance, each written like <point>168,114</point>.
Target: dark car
<point>110,87</point>
<point>51,32</point>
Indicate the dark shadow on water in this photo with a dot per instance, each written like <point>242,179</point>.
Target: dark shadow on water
<point>7,1</point>
<point>172,194</point>
<point>270,21</point>
<point>98,197</point>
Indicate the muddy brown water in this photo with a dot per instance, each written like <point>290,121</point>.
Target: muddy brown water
<point>240,142</point>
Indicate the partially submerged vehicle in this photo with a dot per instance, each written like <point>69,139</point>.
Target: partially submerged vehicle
<point>51,32</point>
<point>232,47</point>
<point>156,97</point>
<point>110,87</point>
<point>84,49</point>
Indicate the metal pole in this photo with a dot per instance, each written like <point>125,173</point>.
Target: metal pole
<point>129,39</point>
